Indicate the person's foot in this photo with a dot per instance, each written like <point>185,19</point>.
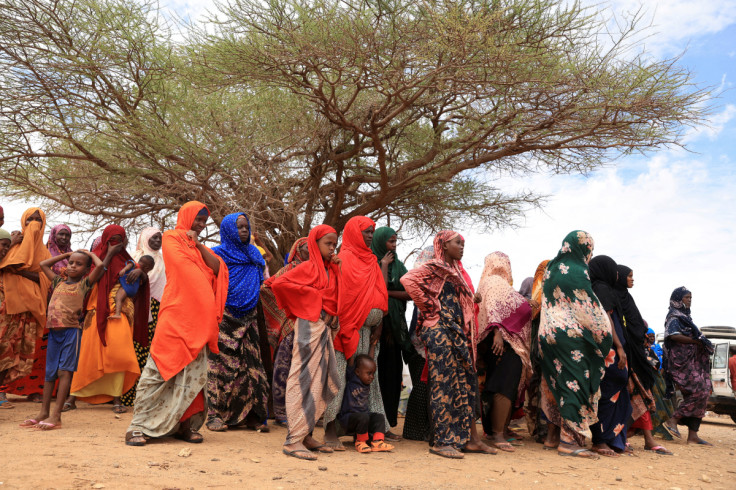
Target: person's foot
<point>314,445</point>
<point>118,408</point>
<point>380,446</point>
<point>35,398</point>
<point>390,436</point>
<point>446,452</point>
<point>187,434</point>
<point>479,447</point>
<point>216,425</point>
<point>331,439</point>
<point>571,449</point>
<point>604,450</point>
<point>135,438</point>
<point>697,440</point>
<point>299,451</point>
<point>49,423</point>
<point>69,406</point>
<point>498,441</point>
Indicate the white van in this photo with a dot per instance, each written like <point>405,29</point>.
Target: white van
<point>723,398</point>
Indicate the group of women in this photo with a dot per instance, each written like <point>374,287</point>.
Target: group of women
<point>569,348</point>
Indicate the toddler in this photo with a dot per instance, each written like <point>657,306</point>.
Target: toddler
<point>145,263</point>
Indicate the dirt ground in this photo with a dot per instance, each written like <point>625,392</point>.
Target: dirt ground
<point>89,452</point>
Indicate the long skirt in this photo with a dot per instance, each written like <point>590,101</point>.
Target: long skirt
<point>614,408</point>
<point>313,379</point>
<point>390,372</point>
<point>161,405</point>
<point>32,384</point>
<point>281,369</point>
<point>417,422</point>
<point>106,371</point>
<point>663,408</point>
<point>503,374</point>
<point>19,334</point>
<point>236,381</point>
<point>375,402</point>
<point>689,366</point>
<point>142,351</point>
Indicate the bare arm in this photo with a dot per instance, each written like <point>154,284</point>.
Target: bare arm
<point>33,276</point>
<point>683,339</point>
<point>46,265</point>
<point>402,295</point>
<point>100,266</point>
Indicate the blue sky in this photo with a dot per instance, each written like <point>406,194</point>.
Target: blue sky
<point>670,216</point>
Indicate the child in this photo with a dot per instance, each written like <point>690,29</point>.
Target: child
<point>63,320</point>
<point>354,415</point>
<point>145,263</point>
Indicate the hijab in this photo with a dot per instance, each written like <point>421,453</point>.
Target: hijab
<point>362,287</point>
<point>157,276</point>
<point>110,279</point>
<point>194,298</point>
<point>501,306</point>
<point>681,313</point>
<point>244,264</point>
<point>603,273</point>
<point>22,294</point>
<point>567,279</point>
<point>526,287</point>
<point>5,235</point>
<point>305,291</point>
<point>424,256</point>
<point>537,286</point>
<point>55,250</point>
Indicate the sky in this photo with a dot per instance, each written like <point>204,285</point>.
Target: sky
<point>669,215</point>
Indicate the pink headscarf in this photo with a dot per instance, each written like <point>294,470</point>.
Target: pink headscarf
<point>55,250</point>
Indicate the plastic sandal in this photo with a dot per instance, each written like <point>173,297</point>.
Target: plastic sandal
<point>380,446</point>
<point>362,447</point>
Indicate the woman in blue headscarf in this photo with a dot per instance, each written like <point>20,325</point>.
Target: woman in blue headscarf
<point>237,386</point>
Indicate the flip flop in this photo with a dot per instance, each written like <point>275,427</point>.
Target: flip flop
<point>514,441</point>
<point>659,450</point>
<point>549,448</point>
<point>577,453</point>
<point>673,430</point>
<point>447,453</point>
<point>47,426</point>
<point>189,435</point>
<point>118,409</point>
<point>504,446</point>
<point>6,405</point>
<point>322,448</point>
<point>703,442</point>
<point>216,425</point>
<point>68,407</point>
<point>481,451</point>
<point>134,434</point>
<point>28,423</point>
<point>300,454</point>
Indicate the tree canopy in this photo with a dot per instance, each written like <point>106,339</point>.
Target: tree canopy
<point>299,112</point>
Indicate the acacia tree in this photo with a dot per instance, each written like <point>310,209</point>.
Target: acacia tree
<point>308,111</point>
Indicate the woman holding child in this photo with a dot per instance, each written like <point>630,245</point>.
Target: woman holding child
<point>170,399</point>
<point>108,366</point>
<point>237,386</point>
<point>446,326</point>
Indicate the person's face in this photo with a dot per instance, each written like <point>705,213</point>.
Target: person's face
<point>366,372</point>
<point>391,243</point>
<point>145,265</point>
<point>77,266</point>
<point>243,229</point>
<point>115,239</point>
<point>4,247</point>
<point>155,242</point>
<point>650,338</point>
<point>327,245</point>
<point>303,251</point>
<point>199,223</point>
<point>63,237</point>
<point>368,235</point>
<point>455,248</point>
<point>36,216</point>
<point>687,300</point>
<point>630,280</point>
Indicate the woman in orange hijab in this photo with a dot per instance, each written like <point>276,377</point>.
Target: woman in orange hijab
<point>363,303</point>
<point>170,396</point>
<point>23,295</point>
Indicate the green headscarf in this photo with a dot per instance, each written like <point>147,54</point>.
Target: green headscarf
<point>4,235</point>
<point>396,307</point>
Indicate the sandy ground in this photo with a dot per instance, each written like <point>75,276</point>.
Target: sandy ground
<point>89,452</point>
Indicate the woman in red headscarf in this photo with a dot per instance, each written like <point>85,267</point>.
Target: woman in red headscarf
<point>108,366</point>
<point>446,325</point>
<point>308,295</point>
<point>23,295</point>
<point>363,303</point>
<point>170,397</point>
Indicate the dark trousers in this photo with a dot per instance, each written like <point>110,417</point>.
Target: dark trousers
<point>692,423</point>
<point>365,423</point>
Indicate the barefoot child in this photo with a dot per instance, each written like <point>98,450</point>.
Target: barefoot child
<point>354,415</point>
<point>145,263</point>
<point>63,320</point>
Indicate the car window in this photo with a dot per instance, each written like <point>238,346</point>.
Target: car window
<point>720,356</point>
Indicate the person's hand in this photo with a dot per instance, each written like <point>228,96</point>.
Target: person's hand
<point>387,259</point>
<point>477,298</point>
<point>621,358</point>
<point>121,273</point>
<point>116,249</point>
<point>15,238</point>
<point>336,260</point>
<point>533,304</point>
<point>193,235</point>
<point>134,275</point>
<point>376,333</point>
<point>497,346</point>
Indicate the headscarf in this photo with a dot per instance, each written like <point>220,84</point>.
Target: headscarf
<point>537,287</point>
<point>110,279</point>
<point>424,284</point>
<point>305,291</point>
<point>362,287</point>
<point>603,276</point>
<point>193,302</point>
<point>635,330</point>
<point>424,256</point>
<point>157,276</point>
<point>4,234</point>
<point>526,287</point>
<point>503,308</point>
<point>55,250</point>
<point>22,294</point>
<point>396,269</point>
<point>679,312</point>
<point>244,264</point>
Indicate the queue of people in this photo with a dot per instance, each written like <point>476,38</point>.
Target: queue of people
<point>192,336</point>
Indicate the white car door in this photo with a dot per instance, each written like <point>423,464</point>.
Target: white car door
<point>719,371</point>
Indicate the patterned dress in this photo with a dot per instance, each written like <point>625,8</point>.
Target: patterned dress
<point>142,352</point>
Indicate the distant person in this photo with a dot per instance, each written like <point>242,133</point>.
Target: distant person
<point>652,339</point>
<point>64,315</point>
<point>130,289</point>
<point>732,367</point>
<point>59,242</point>
<point>688,357</point>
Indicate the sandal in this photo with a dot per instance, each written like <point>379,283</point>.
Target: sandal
<point>609,453</point>
<point>380,446</point>
<point>119,409</point>
<point>447,452</point>
<point>579,453</point>
<point>29,423</point>
<point>216,425</point>
<point>300,454</point>
<point>390,436</point>
<point>659,450</point>
<point>68,407</point>
<point>135,438</point>
<point>189,435</point>
<point>320,449</point>
<point>362,447</point>
<point>6,405</point>
<point>504,446</point>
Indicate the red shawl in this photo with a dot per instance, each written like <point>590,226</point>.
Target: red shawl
<point>362,286</point>
<point>108,281</point>
<point>305,291</point>
<point>193,302</point>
